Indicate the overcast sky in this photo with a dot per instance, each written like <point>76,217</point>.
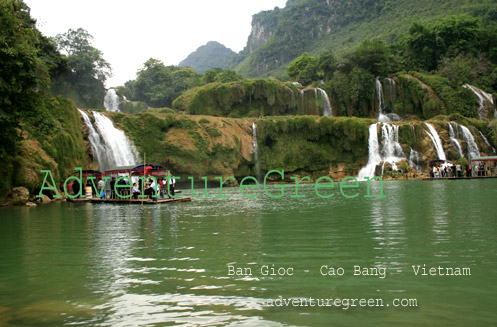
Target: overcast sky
<point>129,32</point>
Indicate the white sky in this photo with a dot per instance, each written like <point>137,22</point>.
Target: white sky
<point>130,32</point>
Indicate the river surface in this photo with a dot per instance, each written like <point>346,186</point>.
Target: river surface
<point>168,265</point>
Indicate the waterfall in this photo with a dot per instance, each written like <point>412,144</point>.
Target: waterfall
<point>473,150</point>
<point>374,157</point>
<point>432,133</point>
<point>482,96</point>
<point>111,100</point>
<point>454,140</point>
<point>326,102</point>
<point>414,160</point>
<point>256,152</point>
<point>379,94</point>
<point>413,133</point>
<point>110,146</point>
<point>391,151</point>
<point>302,104</point>
<point>96,143</point>
<point>486,142</point>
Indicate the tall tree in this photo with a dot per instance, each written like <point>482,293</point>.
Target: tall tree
<point>89,70</point>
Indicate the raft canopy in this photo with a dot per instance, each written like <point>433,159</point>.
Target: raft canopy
<point>147,169</point>
<point>439,161</point>
<point>494,158</point>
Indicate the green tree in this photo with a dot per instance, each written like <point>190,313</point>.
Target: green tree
<point>88,69</point>
<point>327,64</point>
<point>158,85</point>
<point>373,56</point>
<point>304,69</point>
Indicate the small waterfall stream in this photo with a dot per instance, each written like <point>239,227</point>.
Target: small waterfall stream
<point>473,150</point>
<point>374,158</point>
<point>110,146</point>
<point>486,142</point>
<point>454,140</point>
<point>482,96</point>
<point>379,94</point>
<point>432,133</point>
<point>326,102</point>
<point>256,152</point>
<point>111,100</point>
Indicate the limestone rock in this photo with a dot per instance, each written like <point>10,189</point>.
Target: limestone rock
<point>18,196</point>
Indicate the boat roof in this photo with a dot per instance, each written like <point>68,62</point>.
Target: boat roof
<point>492,158</point>
<point>151,168</point>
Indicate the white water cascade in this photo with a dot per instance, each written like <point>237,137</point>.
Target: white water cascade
<point>382,117</point>
<point>482,95</point>
<point>415,160</point>
<point>379,94</point>
<point>432,133</point>
<point>391,151</point>
<point>454,139</point>
<point>374,158</point>
<point>486,142</point>
<point>326,102</point>
<point>473,150</point>
<point>111,100</point>
<point>327,110</point>
<point>111,147</point>
<point>256,152</point>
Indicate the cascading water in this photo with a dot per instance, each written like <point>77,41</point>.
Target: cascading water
<point>374,158</point>
<point>414,160</point>
<point>482,95</point>
<point>473,150</point>
<point>96,143</point>
<point>326,102</point>
<point>302,103</point>
<point>486,142</point>
<point>256,152</point>
<point>327,110</point>
<point>379,94</point>
<point>454,140</point>
<point>432,133</point>
<point>382,116</point>
<point>111,100</point>
<point>110,145</point>
<point>391,151</point>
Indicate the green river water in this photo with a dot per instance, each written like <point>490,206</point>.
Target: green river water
<point>168,265</point>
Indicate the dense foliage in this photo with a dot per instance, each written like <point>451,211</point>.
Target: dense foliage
<point>84,83</point>
<point>37,131</point>
<point>158,85</point>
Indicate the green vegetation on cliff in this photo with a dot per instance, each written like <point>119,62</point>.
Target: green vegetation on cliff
<point>247,98</point>
<point>38,131</point>
<point>315,26</point>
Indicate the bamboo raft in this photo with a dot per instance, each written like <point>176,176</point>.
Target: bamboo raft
<point>131,201</point>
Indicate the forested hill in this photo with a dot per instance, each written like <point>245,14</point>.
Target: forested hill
<point>278,36</point>
<point>211,55</point>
